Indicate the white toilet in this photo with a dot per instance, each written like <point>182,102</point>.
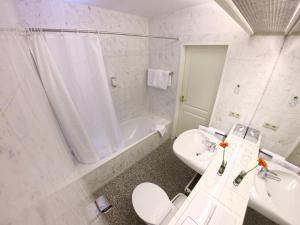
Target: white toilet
<point>152,204</point>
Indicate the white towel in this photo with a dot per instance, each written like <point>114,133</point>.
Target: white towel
<point>161,129</point>
<point>159,78</point>
<point>278,159</point>
<point>281,161</point>
<point>211,130</point>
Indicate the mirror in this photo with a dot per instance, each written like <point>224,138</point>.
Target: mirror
<point>277,115</point>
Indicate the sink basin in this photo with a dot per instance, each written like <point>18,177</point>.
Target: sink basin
<point>193,148</point>
<point>278,200</point>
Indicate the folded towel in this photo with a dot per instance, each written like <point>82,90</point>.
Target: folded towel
<point>211,130</point>
<point>161,129</point>
<point>278,159</point>
<point>159,78</point>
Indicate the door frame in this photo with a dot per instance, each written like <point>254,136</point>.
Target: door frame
<point>181,74</point>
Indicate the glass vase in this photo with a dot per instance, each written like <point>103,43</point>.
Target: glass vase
<point>222,168</point>
<point>239,178</point>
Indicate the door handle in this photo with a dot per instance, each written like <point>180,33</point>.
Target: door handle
<point>182,99</point>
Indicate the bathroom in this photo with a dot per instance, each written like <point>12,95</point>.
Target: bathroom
<point>85,128</point>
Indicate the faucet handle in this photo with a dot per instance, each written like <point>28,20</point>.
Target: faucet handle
<point>267,171</point>
<point>268,174</point>
<point>263,172</point>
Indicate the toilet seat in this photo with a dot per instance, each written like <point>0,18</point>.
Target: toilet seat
<point>151,203</point>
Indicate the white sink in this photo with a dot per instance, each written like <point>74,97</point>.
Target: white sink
<point>192,147</point>
<point>278,200</point>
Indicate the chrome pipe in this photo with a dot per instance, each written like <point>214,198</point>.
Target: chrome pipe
<point>33,29</point>
<point>99,32</point>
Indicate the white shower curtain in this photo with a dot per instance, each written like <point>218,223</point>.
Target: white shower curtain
<point>71,69</point>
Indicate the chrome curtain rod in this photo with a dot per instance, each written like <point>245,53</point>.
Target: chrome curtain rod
<point>98,32</point>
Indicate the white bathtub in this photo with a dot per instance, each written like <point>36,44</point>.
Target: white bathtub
<point>139,139</point>
<point>138,129</point>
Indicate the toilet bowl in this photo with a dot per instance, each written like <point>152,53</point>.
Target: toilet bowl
<point>152,204</point>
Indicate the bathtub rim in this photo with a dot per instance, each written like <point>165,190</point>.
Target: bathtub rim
<point>82,170</point>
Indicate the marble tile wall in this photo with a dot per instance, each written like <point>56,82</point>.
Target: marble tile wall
<point>249,61</point>
<point>36,164</point>
<point>121,55</point>
<point>120,52</point>
<point>34,160</point>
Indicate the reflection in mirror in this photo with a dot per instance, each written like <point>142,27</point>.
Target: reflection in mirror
<point>294,157</point>
<point>278,113</point>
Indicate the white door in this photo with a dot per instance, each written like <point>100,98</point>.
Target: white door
<point>202,74</point>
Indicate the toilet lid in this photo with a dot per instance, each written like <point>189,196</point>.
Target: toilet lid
<point>151,203</point>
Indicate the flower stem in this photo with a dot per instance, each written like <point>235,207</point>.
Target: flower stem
<point>252,169</point>
<point>223,155</point>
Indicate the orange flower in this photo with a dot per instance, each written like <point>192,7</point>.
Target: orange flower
<point>262,163</point>
<point>224,144</point>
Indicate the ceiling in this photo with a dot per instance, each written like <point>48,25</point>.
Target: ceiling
<point>146,8</point>
<point>266,16</point>
<point>255,16</point>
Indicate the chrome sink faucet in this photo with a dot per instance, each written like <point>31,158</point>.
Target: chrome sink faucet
<point>211,146</point>
<point>268,174</point>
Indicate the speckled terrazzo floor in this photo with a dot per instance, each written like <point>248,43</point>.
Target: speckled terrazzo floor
<point>162,168</point>
<point>254,218</point>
